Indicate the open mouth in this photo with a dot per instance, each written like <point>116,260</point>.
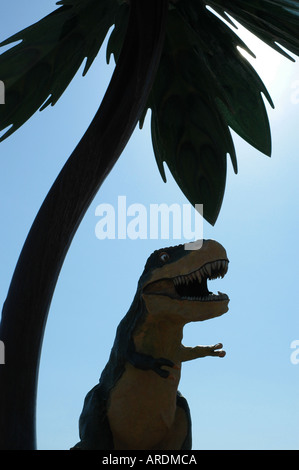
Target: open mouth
<point>193,286</point>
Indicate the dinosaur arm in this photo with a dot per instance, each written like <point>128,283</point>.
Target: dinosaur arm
<point>188,354</point>
<point>147,362</point>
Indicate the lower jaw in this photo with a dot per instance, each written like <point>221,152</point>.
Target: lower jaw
<point>207,309</point>
<point>208,298</point>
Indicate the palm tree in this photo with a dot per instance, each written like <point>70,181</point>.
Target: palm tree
<point>177,58</point>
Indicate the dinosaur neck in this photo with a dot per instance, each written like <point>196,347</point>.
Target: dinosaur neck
<point>159,339</point>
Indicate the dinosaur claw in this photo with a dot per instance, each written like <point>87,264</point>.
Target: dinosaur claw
<point>217,351</point>
<point>221,353</point>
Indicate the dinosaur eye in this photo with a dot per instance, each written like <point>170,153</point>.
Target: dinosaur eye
<point>164,257</point>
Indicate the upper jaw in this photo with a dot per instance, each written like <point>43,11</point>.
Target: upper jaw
<point>210,270</point>
<point>192,285</point>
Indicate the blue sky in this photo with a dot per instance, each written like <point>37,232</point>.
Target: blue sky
<point>249,399</point>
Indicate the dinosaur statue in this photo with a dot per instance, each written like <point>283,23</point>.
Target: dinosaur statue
<point>136,405</point>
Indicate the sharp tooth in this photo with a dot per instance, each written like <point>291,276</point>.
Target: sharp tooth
<point>198,276</point>
<point>222,296</point>
<point>213,269</point>
<point>224,265</point>
<point>209,269</point>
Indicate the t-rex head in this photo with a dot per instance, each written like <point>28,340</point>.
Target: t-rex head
<point>174,282</point>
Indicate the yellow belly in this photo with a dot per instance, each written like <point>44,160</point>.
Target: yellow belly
<point>142,411</point>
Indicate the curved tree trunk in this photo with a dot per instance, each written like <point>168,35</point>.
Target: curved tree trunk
<point>26,308</point>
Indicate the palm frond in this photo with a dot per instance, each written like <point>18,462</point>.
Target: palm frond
<point>237,86</point>
<point>205,86</point>
<point>275,22</point>
<point>37,70</point>
<point>188,132</point>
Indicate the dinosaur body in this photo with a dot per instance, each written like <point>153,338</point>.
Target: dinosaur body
<point>136,404</point>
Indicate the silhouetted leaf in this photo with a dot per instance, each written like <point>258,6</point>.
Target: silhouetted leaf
<point>275,22</point>
<point>38,69</point>
<point>188,132</point>
<point>204,86</point>
<point>238,87</point>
